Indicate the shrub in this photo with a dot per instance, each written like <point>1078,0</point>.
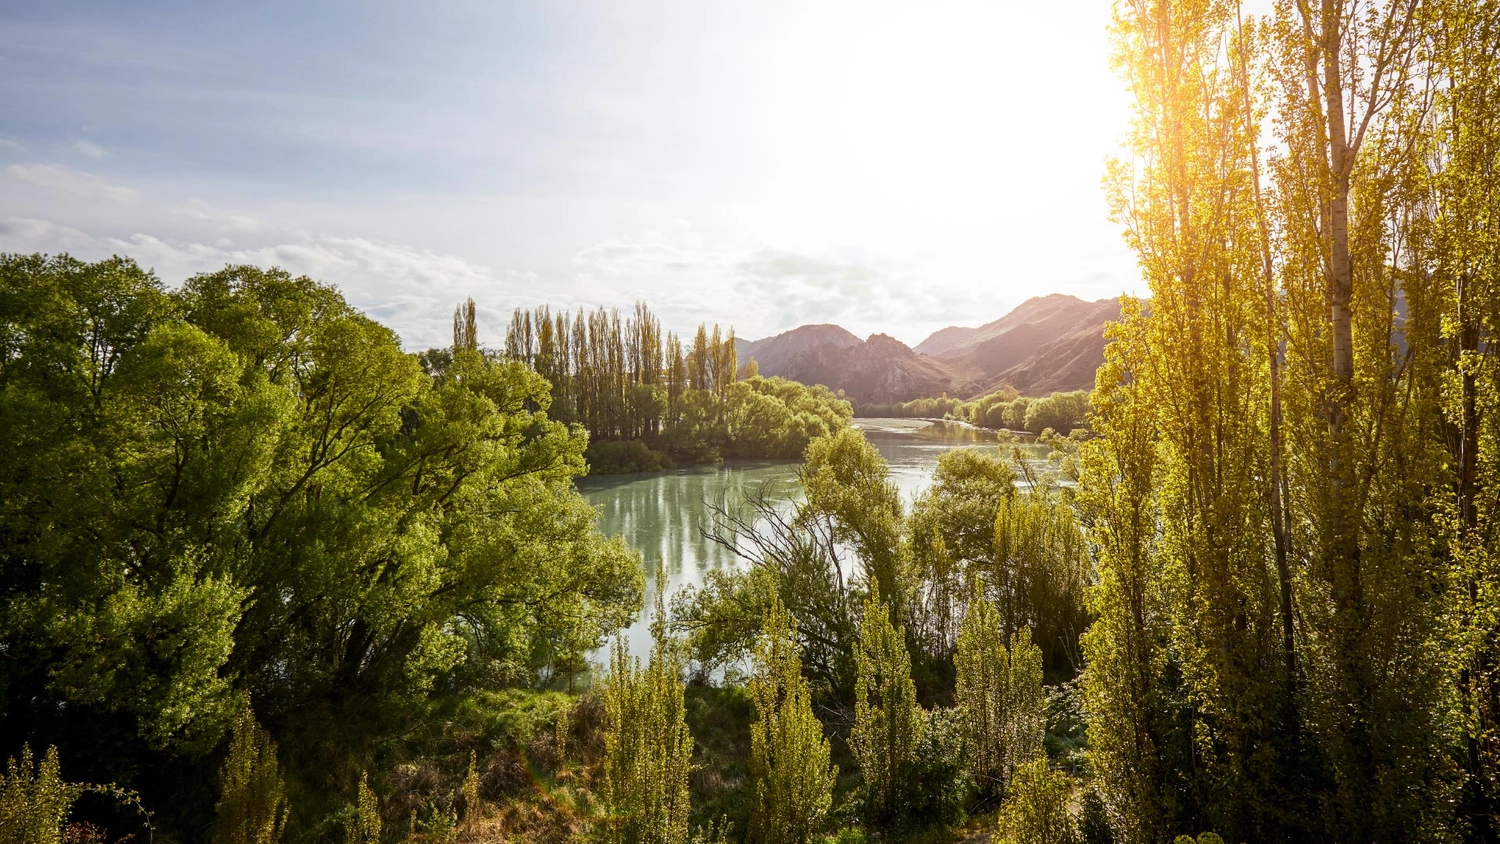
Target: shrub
<point>888,723</point>
<point>252,805</point>
<point>1036,810</point>
<point>647,747</point>
<point>35,800</point>
<point>611,457</point>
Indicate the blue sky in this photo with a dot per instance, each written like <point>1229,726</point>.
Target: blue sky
<point>890,167</point>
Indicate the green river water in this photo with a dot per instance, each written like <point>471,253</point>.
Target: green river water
<point>661,514</point>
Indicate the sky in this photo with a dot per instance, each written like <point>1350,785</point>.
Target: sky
<point>890,167</point>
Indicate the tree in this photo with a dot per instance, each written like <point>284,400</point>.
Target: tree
<point>982,683</point>
<point>35,801</point>
<point>1036,812</point>
<point>887,720</point>
<point>245,486</point>
<point>789,757</point>
<point>647,747</point>
<point>252,805</point>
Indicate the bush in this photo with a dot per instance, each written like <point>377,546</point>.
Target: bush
<point>34,800</point>
<point>1036,810</point>
<point>939,783</point>
<point>611,457</point>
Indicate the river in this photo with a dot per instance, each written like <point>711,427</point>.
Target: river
<point>661,514</point>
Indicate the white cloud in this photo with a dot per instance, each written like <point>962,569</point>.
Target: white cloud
<point>8,145</point>
<point>220,220</point>
<point>412,290</point>
<point>70,181</point>
<point>89,149</point>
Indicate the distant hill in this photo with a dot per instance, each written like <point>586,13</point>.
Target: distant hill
<point>1046,344</point>
<point>775,354</point>
<point>943,339</point>
<point>880,369</point>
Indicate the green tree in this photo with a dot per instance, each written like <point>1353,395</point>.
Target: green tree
<point>789,756</point>
<point>35,800</point>
<point>647,747</point>
<point>244,485</point>
<point>888,723</point>
<point>1036,811</point>
<point>252,804</point>
<point>362,826</point>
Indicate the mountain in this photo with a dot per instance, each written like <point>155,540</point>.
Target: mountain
<point>1046,344</point>
<point>943,339</point>
<point>774,354</point>
<point>882,369</point>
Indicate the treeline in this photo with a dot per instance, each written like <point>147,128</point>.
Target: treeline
<point>1062,413</point>
<point>647,400</point>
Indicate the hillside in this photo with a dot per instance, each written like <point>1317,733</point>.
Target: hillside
<point>774,355</point>
<point>1047,344</point>
<point>881,369</point>
<point>944,339</point>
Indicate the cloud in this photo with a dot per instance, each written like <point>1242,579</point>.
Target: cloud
<point>70,181</point>
<point>764,290</point>
<point>412,290</point>
<point>89,149</point>
<point>219,220</point>
<point>8,145</point>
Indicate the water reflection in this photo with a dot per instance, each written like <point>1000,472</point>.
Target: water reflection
<point>662,514</point>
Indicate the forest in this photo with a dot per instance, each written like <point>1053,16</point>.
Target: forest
<point>646,401</point>
<point>269,578</point>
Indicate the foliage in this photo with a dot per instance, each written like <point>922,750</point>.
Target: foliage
<point>1062,412</point>
<point>789,756</point>
<point>363,824</point>
<point>626,382</point>
<point>1271,619</point>
<point>244,486</point>
<point>647,747</point>
<point>252,803</point>
<point>619,457</point>
<point>35,800</point>
<point>1000,699</point>
<point>888,723</point>
<point>939,786</point>
<point>1036,810</point>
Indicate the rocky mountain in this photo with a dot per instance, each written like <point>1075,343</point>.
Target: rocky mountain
<point>1046,344</point>
<point>881,369</point>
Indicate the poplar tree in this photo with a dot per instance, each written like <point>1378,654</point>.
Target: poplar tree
<point>252,804</point>
<point>888,723</point>
<point>647,747</point>
<point>789,756</point>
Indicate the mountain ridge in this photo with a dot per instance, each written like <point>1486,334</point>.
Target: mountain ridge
<point>1046,344</point>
